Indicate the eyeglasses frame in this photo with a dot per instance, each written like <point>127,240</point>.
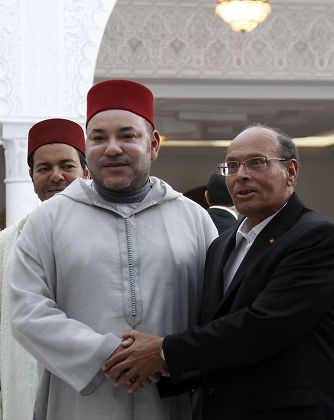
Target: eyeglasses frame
<point>221,165</point>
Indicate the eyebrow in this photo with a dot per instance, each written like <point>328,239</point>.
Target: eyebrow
<point>120,129</point>
<point>62,161</point>
<point>97,131</point>
<point>250,156</point>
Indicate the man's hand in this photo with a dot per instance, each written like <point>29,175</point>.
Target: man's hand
<point>139,363</point>
<point>127,342</point>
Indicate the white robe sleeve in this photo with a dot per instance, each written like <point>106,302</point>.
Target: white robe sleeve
<point>66,347</point>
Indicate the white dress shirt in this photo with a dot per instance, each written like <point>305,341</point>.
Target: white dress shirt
<point>244,239</point>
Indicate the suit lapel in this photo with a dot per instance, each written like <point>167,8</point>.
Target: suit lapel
<point>267,237</point>
<point>214,287</point>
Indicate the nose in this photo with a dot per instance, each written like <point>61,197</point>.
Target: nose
<point>56,175</point>
<point>242,172</point>
<point>113,147</point>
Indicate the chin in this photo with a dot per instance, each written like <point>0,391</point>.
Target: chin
<point>244,210</point>
<point>116,186</point>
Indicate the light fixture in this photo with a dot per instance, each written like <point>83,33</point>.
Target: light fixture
<point>243,15</point>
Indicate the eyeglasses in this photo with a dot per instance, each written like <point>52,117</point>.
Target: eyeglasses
<point>255,164</point>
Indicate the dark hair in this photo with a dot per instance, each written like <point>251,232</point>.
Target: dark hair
<point>217,191</point>
<point>82,159</point>
<point>288,147</point>
<point>83,162</point>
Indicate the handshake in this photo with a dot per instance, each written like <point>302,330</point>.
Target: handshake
<point>138,361</point>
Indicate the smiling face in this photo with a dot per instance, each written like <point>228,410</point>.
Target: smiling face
<point>56,165</point>
<point>120,150</point>
<point>258,195</point>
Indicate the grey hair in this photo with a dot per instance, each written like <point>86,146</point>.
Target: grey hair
<point>288,147</point>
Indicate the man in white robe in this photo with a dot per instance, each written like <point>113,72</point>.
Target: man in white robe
<point>123,250</point>
<point>56,150</point>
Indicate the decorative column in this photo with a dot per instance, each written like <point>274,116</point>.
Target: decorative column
<point>20,197</point>
<point>48,52</point>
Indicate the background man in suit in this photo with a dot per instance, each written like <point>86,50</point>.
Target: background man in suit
<point>221,206</point>
<point>265,349</point>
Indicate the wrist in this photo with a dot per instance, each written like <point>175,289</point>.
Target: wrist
<point>162,354</point>
<point>164,372</point>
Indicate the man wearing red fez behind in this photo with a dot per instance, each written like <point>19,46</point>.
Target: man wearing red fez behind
<point>56,157</point>
<point>122,251</point>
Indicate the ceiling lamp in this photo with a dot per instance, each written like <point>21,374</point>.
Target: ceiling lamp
<point>243,15</point>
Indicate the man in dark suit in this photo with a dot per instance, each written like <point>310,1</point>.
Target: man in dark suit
<point>221,206</point>
<point>265,347</point>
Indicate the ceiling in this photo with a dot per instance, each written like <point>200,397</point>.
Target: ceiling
<point>210,82</point>
<point>218,119</point>
<point>191,110</point>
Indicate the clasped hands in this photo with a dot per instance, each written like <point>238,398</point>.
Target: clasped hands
<point>136,362</point>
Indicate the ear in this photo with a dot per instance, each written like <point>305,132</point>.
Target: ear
<point>32,179</point>
<point>292,167</point>
<point>155,145</point>
<point>206,195</point>
<point>86,174</point>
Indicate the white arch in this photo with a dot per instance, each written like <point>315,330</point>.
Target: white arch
<point>48,52</point>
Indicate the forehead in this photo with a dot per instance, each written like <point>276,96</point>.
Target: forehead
<point>114,119</point>
<point>254,141</point>
<point>55,152</point>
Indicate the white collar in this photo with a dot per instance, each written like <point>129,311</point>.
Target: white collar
<point>228,209</point>
<point>251,234</point>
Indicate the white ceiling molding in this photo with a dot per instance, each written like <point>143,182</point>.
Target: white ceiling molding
<point>183,39</point>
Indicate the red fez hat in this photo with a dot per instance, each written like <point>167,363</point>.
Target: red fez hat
<point>56,130</point>
<point>120,94</point>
